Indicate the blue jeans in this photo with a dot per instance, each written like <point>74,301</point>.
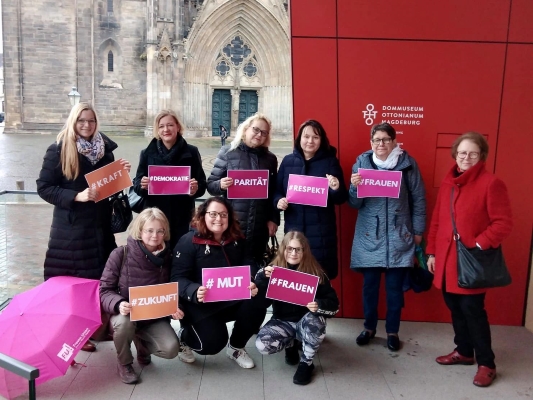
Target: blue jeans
<point>394,278</point>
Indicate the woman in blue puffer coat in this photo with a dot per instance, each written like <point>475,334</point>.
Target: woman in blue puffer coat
<point>386,231</point>
<point>313,156</point>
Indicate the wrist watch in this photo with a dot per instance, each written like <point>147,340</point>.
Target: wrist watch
<point>431,255</point>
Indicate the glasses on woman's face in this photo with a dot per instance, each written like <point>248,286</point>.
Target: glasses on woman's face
<point>258,131</point>
<point>152,232</point>
<point>472,155</point>
<point>214,214</point>
<point>384,140</point>
<point>86,121</point>
<point>291,250</point>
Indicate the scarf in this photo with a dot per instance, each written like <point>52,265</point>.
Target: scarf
<point>93,150</point>
<point>391,161</point>
<point>158,256</point>
<point>169,154</point>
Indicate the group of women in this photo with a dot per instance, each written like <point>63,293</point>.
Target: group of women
<point>171,241</point>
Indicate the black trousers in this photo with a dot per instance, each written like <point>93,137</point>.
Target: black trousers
<point>210,335</point>
<point>471,326</point>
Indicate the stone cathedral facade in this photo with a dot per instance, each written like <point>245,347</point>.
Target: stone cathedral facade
<point>214,62</point>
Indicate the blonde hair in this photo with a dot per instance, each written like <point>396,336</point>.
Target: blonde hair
<point>67,137</point>
<point>148,214</point>
<point>245,125</point>
<point>308,264</point>
<point>164,113</point>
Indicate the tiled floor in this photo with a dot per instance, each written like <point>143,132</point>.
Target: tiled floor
<point>343,371</point>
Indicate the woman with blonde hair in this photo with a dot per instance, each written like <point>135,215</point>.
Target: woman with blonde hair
<point>169,148</point>
<point>145,260</point>
<point>80,237</point>
<point>258,218</point>
<point>291,322</point>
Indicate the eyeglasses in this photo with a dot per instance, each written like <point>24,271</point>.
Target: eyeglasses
<point>384,140</point>
<point>159,232</point>
<point>472,155</point>
<point>290,249</point>
<point>86,121</point>
<point>214,214</point>
<point>258,131</point>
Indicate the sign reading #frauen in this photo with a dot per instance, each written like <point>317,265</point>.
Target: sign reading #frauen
<point>169,179</point>
<point>153,301</point>
<point>379,183</point>
<point>109,180</point>
<point>307,190</point>
<point>226,283</point>
<point>292,286</point>
<point>248,184</point>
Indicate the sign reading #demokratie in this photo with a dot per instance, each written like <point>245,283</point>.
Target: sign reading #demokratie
<point>109,180</point>
<point>226,283</point>
<point>153,301</point>
<point>307,190</point>
<point>292,286</point>
<point>169,179</point>
<point>379,183</point>
<point>248,184</point>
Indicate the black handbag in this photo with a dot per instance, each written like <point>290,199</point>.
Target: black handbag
<point>137,203</point>
<point>270,251</point>
<point>122,215</point>
<point>476,268</point>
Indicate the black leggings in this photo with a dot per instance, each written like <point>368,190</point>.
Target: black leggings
<point>210,335</point>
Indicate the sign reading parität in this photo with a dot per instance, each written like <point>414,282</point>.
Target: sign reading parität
<point>108,180</point>
<point>153,301</point>
<point>248,184</point>
<point>379,183</point>
<point>307,190</point>
<point>292,286</point>
<point>169,179</point>
<point>226,283</point>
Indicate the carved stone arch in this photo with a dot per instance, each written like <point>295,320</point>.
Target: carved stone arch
<point>257,22</point>
<point>110,79</point>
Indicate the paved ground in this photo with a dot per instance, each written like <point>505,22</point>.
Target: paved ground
<point>344,370</point>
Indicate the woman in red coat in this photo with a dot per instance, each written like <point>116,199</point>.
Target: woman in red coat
<point>483,218</point>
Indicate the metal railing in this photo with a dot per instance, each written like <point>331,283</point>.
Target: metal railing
<point>23,370</point>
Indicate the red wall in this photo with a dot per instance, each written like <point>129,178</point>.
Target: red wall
<point>466,65</point>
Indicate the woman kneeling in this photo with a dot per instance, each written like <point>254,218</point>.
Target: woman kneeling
<point>216,242</point>
<point>145,260</point>
<point>290,322</point>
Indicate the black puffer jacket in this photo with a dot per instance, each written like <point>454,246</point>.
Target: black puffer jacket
<point>138,270</point>
<point>318,224</point>
<point>326,297</point>
<point>178,208</point>
<point>80,237</point>
<point>253,215</point>
<point>191,255</point>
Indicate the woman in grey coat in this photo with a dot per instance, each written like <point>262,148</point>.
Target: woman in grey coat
<point>386,231</point>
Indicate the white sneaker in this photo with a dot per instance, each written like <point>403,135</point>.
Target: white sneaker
<point>185,354</point>
<point>240,356</point>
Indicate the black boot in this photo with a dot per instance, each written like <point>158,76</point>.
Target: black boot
<point>291,355</point>
<point>303,374</point>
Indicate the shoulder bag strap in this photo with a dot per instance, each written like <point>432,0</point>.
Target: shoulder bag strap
<point>455,234</point>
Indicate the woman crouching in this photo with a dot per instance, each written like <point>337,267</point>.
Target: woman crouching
<point>290,322</point>
<point>145,260</point>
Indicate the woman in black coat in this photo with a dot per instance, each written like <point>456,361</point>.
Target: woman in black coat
<point>258,218</point>
<point>80,237</point>
<point>313,156</point>
<point>170,148</point>
<point>217,242</point>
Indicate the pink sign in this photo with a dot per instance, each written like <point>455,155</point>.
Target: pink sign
<point>248,184</point>
<point>227,283</point>
<point>379,183</point>
<point>292,286</point>
<point>307,190</point>
<point>169,179</point>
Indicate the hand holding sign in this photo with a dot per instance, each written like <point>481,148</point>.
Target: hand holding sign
<point>226,283</point>
<point>379,183</point>
<point>292,287</point>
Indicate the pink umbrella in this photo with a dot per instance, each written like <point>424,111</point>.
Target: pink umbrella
<point>46,327</point>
